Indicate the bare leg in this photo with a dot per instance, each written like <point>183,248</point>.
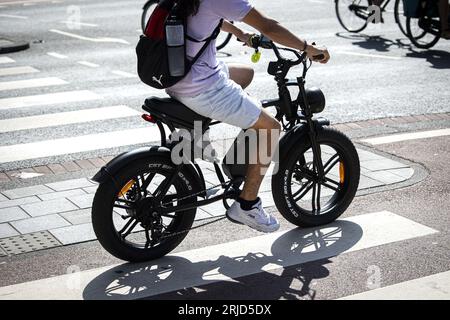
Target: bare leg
<point>241,74</point>
<point>255,172</point>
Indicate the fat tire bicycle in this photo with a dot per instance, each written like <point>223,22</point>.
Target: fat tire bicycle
<point>353,15</point>
<point>222,40</point>
<point>146,204</point>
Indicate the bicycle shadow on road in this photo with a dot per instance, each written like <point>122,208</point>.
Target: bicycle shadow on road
<point>439,59</point>
<point>285,271</point>
<point>377,43</point>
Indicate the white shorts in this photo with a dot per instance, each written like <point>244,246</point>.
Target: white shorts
<point>227,102</point>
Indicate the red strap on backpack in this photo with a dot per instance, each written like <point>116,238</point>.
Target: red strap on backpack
<point>155,25</point>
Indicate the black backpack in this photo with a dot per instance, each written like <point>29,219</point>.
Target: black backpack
<point>152,50</point>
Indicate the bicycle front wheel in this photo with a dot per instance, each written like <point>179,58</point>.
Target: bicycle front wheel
<point>424,32</point>
<point>305,199</point>
<point>352,14</point>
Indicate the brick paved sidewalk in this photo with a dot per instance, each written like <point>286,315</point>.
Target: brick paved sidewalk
<point>58,213</point>
<point>55,169</point>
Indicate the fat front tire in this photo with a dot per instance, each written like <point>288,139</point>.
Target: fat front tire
<point>300,196</point>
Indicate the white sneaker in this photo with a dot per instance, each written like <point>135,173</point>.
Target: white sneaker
<point>256,218</point>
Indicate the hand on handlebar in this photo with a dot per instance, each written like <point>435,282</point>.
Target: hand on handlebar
<point>246,38</point>
<point>317,54</point>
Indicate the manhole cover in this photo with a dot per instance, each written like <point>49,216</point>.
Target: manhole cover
<point>28,242</point>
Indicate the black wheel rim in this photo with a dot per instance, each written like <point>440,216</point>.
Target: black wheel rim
<point>136,221</point>
<point>310,195</point>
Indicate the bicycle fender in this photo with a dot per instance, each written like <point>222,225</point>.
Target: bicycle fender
<point>299,132</point>
<point>115,165</point>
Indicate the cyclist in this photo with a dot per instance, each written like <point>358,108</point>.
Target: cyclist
<point>215,90</point>
<point>444,9</point>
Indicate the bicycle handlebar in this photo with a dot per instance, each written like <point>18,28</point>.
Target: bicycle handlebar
<point>260,41</point>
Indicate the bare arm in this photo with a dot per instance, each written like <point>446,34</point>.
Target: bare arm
<point>276,32</point>
<point>231,28</point>
<point>237,32</point>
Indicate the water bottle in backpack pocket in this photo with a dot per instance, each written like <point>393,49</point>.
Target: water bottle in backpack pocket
<point>176,49</point>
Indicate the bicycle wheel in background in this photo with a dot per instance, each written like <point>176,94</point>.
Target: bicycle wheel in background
<point>400,18</point>
<point>352,14</point>
<point>424,32</point>
<point>147,11</point>
<point>222,40</point>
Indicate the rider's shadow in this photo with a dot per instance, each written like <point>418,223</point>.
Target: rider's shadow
<point>437,58</point>
<point>286,271</point>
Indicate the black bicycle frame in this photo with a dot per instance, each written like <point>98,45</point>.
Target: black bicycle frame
<point>284,105</point>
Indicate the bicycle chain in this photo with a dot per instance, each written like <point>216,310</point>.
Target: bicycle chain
<point>224,184</point>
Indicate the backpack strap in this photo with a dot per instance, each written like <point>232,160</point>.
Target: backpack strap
<point>208,40</point>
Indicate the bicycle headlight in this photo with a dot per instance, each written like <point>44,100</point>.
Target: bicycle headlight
<point>316,99</point>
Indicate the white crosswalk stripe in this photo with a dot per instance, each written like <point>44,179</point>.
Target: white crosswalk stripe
<point>31,83</point>
<point>221,262</point>
<point>48,99</point>
<point>11,71</point>
<point>74,142</point>
<point>4,60</point>
<point>64,118</point>
<point>434,287</point>
<point>58,147</point>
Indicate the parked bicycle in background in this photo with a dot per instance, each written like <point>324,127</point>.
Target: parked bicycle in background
<point>221,41</point>
<point>417,19</point>
<point>354,15</point>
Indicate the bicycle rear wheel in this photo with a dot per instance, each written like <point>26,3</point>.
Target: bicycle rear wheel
<point>125,214</point>
<point>400,18</point>
<point>352,14</point>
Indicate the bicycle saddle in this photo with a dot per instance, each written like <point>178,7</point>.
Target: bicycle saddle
<point>172,111</point>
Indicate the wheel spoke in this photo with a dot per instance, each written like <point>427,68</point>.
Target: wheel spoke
<point>330,187</point>
<point>318,198</point>
<point>310,185</point>
<point>128,202</point>
<point>330,164</point>
<point>146,182</point>
<point>147,237</point>
<point>123,207</point>
<point>129,227</point>
<point>313,198</point>
<point>333,182</point>
<point>162,189</point>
